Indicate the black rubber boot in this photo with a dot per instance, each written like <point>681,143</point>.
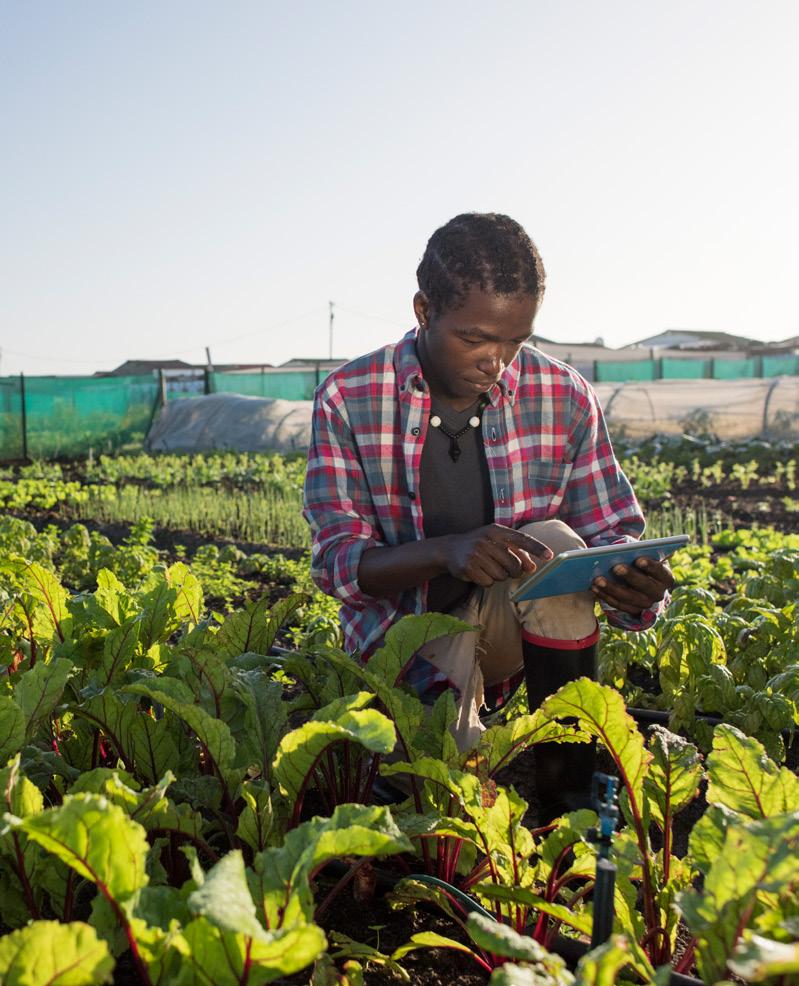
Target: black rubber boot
<point>563,771</point>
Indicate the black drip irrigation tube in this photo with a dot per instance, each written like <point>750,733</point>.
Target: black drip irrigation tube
<point>571,950</point>
<point>657,717</point>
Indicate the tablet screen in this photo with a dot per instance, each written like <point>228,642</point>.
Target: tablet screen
<point>575,570</point>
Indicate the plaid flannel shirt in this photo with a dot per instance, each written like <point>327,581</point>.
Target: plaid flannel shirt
<point>548,456</point>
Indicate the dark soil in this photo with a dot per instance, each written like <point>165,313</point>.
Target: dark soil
<point>755,506</point>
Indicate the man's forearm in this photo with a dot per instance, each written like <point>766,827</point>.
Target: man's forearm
<point>384,572</point>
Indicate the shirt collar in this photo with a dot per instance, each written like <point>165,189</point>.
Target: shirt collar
<point>409,372</point>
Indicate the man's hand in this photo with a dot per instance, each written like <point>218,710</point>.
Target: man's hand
<point>492,554</point>
<point>639,585</point>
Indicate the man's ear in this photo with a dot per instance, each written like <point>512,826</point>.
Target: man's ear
<point>421,308</point>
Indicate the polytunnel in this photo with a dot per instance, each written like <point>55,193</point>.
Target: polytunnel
<point>730,410</point>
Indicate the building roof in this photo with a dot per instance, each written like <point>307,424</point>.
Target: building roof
<point>146,367</point>
<point>324,362</point>
<point>140,367</point>
<point>693,339</point>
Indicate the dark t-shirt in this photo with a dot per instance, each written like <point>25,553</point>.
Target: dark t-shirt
<point>456,496</point>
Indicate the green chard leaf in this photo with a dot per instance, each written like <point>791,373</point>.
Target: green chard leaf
<point>580,921</point>
<point>502,940</point>
<point>46,952</point>
<point>264,721</point>
<point>543,974</point>
<point>257,817</point>
<point>212,957</point>
<point>300,749</point>
<point>406,637</point>
<point>94,837</point>
<point>158,601</point>
<point>52,618</point>
<point>675,772</point>
<point>224,898</point>
<point>119,648</point>
<point>253,629</point>
<point>757,862</point>
<point>147,746</point>
<point>39,690</point>
<point>741,776</point>
<point>706,839</point>
<point>430,939</point>
<point>281,882</point>
<point>213,734</point>
<point>189,602</point>
<point>12,728</point>
<point>600,712</point>
<point>757,958</point>
<point>501,743</point>
<point>602,966</point>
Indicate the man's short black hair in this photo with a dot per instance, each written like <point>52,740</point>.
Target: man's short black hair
<point>483,249</point>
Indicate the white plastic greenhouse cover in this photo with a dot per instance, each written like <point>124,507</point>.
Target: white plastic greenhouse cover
<point>229,421</point>
<point>730,409</point>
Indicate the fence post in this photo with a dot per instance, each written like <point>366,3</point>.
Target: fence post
<point>24,416</point>
<point>162,386</point>
<point>206,381</point>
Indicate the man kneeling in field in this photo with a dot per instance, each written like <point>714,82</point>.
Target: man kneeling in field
<point>443,467</point>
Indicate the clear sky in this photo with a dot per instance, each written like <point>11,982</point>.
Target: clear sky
<point>183,174</point>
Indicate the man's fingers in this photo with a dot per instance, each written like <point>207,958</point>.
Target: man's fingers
<point>503,556</point>
<point>635,591</point>
<point>623,598</point>
<point>531,545</point>
<point>657,570</point>
<point>485,571</point>
<point>636,579</point>
<point>528,563</point>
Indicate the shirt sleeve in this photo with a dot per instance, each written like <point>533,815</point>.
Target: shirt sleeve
<point>599,503</point>
<point>337,504</point>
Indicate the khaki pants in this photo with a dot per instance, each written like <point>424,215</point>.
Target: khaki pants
<point>494,653</point>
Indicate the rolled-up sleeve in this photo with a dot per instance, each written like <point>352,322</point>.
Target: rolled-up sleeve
<point>337,504</point>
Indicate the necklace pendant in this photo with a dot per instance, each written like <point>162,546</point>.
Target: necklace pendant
<point>454,449</point>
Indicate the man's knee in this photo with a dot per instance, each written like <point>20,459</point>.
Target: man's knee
<point>556,535</point>
<point>567,617</point>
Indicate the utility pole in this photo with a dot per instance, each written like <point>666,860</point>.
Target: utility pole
<point>330,353</point>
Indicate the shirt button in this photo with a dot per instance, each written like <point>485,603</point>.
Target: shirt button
<point>411,495</point>
<point>415,431</point>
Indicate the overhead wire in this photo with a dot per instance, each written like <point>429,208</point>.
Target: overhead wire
<point>173,352</point>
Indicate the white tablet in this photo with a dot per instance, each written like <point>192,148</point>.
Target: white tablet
<point>575,570</point>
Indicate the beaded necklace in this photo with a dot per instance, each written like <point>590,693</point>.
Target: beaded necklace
<point>453,436</point>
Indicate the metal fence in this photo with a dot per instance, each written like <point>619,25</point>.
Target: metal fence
<point>47,417</point>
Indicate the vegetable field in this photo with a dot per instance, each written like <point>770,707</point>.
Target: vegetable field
<point>194,770</point>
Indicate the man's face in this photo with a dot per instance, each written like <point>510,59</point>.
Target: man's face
<point>464,352</point>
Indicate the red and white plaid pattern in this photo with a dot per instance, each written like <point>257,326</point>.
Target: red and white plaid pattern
<point>548,455</point>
